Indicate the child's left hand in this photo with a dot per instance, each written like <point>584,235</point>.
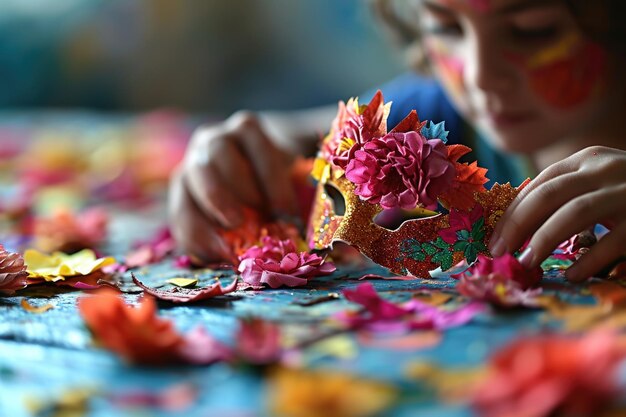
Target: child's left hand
<point>569,196</point>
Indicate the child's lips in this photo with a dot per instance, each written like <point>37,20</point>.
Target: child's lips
<point>509,118</point>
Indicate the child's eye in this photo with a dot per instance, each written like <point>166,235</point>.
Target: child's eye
<point>538,34</point>
<point>452,29</point>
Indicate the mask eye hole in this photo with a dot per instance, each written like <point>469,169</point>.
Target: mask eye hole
<point>339,204</point>
<point>392,219</point>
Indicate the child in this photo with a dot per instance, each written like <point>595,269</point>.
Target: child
<point>539,79</point>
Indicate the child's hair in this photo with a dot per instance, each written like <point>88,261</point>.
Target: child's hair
<point>601,20</point>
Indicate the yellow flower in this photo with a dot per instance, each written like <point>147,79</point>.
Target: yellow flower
<point>299,393</point>
<point>59,265</point>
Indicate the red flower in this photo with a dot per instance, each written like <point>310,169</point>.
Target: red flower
<point>543,375</point>
<point>12,272</point>
<point>277,263</point>
<point>401,170</point>
<point>138,335</point>
<point>501,281</point>
<point>134,333</point>
<point>460,220</point>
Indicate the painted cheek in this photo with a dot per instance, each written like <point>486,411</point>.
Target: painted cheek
<point>565,80</point>
<point>450,71</point>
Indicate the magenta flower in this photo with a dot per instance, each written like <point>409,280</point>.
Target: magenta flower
<point>12,272</point>
<point>277,263</point>
<point>401,170</point>
<point>501,281</point>
<point>383,315</point>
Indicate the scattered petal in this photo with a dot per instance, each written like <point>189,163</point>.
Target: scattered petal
<point>183,282</point>
<point>501,281</point>
<point>258,341</point>
<point>383,315</point>
<point>35,309</point>
<point>185,295</point>
<point>68,232</point>
<point>299,393</point>
<point>538,376</point>
<point>134,333</point>
<point>59,265</point>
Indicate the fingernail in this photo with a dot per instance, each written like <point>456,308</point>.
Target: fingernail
<point>498,247</point>
<point>526,258</point>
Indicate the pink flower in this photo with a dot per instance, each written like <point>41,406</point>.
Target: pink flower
<point>401,170</point>
<point>358,127</point>
<point>548,375</point>
<point>383,315</point>
<point>12,272</point>
<point>501,281</point>
<point>277,263</point>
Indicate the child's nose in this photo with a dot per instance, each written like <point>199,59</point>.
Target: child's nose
<point>486,68</point>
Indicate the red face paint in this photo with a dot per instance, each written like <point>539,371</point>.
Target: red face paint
<point>450,70</point>
<point>565,75</point>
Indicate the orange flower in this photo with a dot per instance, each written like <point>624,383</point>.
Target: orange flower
<point>134,333</point>
<point>69,232</point>
<point>542,375</point>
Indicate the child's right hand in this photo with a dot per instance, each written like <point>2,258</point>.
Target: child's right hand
<point>227,166</point>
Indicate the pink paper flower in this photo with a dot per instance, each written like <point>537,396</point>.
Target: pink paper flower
<point>383,315</point>
<point>548,375</point>
<point>401,170</point>
<point>277,263</point>
<point>502,281</point>
<point>12,272</point>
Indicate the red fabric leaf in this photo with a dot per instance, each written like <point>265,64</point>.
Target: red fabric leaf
<point>411,123</point>
<point>186,295</point>
<point>455,152</point>
<point>470,179</point>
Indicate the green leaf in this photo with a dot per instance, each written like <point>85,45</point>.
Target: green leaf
<point>478,229</point>
<point>429,248</point>
<point>443,259</point>
<point>441,244</point>
<point>435,131</point>
<point>460,246</point>
<point>480,246</point>
<point>470,253</point>
<point>463,234</point>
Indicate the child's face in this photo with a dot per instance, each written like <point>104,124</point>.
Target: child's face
<point>520,70</point>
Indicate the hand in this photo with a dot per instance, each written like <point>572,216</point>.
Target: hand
<point>576,193</point>
<point>226,167</point>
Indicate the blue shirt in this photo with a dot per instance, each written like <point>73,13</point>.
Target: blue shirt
<point>413,91</point>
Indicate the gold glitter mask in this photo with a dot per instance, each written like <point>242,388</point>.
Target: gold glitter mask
<point>440,239</point>
<point>418,246</point>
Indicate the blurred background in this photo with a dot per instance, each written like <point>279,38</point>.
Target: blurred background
<point>212,56</point>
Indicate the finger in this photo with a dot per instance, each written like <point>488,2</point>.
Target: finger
<point>520,221</point>
<point>272,167</point>
<point>576,215</point>
<point>563,167</point>
<point>211,194</point>
<point>608,249</point>
<point>238,173</point>
<point>192,230</point>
